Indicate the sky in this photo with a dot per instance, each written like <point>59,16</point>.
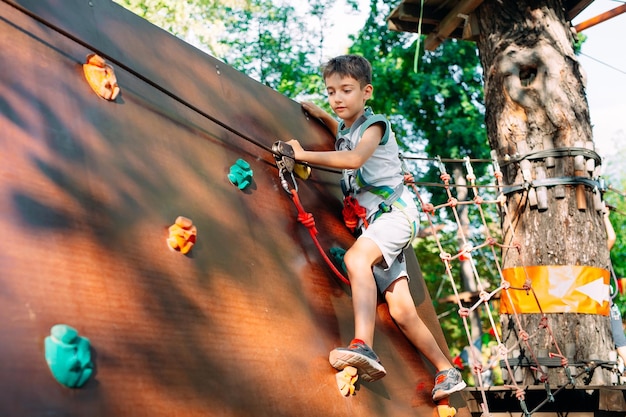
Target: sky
<point>605,64</point>
<point>602,59</point>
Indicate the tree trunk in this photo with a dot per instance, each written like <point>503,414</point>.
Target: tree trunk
<point>535,101</point>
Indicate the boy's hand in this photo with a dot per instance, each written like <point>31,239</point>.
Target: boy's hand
<point>313,109</point>
<point>326,118</point>
<point>297,148</point>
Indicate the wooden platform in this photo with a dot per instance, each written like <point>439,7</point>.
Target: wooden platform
<point>589,401</point>
<point>241,326</point>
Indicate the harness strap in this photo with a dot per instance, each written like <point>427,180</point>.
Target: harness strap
<point>353,211</point>
<point>390,198</point>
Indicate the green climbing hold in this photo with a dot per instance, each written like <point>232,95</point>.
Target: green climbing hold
<point>240,174</point>
<point>68,355</point>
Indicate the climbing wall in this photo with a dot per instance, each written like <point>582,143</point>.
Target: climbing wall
<point>242,324</point>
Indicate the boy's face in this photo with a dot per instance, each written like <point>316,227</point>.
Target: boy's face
<point>346,97</point>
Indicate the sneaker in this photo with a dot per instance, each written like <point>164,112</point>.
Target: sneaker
<point>362,357</point>
<point>447,382</point>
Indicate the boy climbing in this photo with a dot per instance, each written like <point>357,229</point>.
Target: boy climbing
<point>367,152</point>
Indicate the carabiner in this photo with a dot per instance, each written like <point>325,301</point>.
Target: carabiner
<point>285,162</point>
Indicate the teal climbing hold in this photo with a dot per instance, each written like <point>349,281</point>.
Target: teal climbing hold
<point>240,174</point>
<point>337,255</point>
<point>68,355</point>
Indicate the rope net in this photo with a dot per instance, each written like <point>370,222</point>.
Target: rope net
<point>469,250</point>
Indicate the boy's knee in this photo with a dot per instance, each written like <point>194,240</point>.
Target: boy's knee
<point>401,313</point>
<point>398,314</point>
<point>354,261</point>
<point>359,269</point>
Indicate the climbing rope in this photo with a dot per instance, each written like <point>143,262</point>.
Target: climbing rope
<point>285,162</point>
<point>309,222</point>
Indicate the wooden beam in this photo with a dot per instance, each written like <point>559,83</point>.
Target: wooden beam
<point>408,12</point>
<point>449,23</point>
<point>406,18</point>
<point>600,18</point>
<point>574,8</point>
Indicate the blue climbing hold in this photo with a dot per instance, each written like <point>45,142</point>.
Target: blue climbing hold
<point>240,174</point>
<point>68,355</point>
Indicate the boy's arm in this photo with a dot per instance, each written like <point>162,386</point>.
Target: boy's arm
<point>322,115</point>
<point>353,159</point>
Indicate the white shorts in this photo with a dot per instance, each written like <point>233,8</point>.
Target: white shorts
<point>392,232</point>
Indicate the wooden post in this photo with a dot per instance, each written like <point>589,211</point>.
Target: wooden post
<point>542,192</point>
<point>579,171</point>
<point>547,144</point>
<point>559,171</point>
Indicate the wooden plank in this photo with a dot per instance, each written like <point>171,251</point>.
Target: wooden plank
<point>449,23</point>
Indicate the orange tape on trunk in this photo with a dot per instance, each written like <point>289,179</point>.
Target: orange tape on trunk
<point>559,289</point>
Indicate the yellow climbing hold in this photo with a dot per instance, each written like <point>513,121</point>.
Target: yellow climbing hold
<point>182,235</point>
<point>346,380</point>
<point>302,171</point>
<point>444,410</point>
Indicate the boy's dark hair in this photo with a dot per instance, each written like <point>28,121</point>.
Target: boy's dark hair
<point>354,66</point>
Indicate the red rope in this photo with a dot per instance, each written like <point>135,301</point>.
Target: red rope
<point>352,212</point>
<point>308,220</point>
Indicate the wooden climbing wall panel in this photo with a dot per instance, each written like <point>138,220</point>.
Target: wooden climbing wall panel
<point>240,326</point>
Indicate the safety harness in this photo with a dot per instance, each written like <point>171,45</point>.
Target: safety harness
<point>354,183</point>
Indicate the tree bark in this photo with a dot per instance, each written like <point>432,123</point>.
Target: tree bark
<point>535,100</point>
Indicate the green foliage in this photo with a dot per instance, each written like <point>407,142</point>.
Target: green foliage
<point>260,43</point>
<point>192,20</point>
<point>276,42</point>
<point>579,40</point>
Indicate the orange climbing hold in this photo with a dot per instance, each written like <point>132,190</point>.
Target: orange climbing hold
<point>182,235</point>
<point>101,77</point>
<point>346,379</point>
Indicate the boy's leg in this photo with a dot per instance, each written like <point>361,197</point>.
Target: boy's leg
<point>402,310</point>
<point>359,260</point>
